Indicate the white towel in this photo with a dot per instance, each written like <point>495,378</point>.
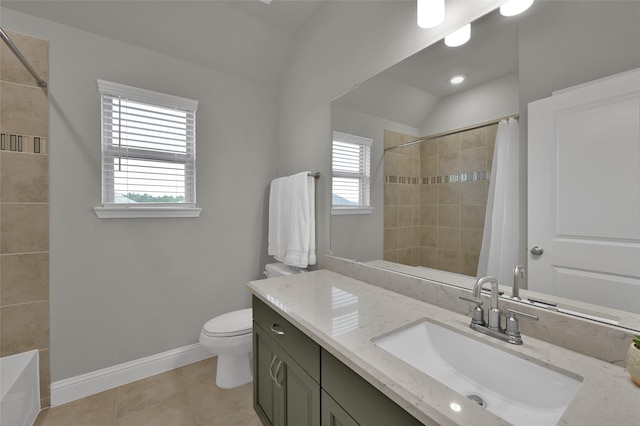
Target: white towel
<point>292,223</point>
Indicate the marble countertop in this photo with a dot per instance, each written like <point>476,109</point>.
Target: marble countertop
<point>344,315</point>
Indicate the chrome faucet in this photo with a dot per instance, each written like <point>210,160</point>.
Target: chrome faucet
<point>494,310</point>
<point>518,273</point>
<point>494,328</point>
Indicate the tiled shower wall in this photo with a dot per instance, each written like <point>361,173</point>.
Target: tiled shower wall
<point>24,205</point>
<point>452,195</point>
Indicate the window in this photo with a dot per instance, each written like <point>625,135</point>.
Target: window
<point>148,153</point>
<point>351,181</point>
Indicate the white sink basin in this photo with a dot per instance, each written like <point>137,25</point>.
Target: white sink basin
<point>514,389</point>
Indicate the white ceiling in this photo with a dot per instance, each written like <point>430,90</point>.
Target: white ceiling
<point>412,88</point>
<point>246,38</point>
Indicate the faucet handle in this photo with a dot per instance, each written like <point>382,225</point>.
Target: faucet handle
<point>513,328</point>
<point>478,313</point>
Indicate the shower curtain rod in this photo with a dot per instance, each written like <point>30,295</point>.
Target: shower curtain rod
<point>21,58</point>
<point>464,129</point>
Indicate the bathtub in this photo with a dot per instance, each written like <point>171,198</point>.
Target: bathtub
<point>19,389</point>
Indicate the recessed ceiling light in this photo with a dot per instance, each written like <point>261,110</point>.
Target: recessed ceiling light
<point>458,37</point>
<point>515,7</point>
<point>457,79</point>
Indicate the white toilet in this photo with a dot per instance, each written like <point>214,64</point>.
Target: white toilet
<point>230,337</point>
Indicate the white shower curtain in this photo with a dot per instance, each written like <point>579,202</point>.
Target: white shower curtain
<point>501,238</point>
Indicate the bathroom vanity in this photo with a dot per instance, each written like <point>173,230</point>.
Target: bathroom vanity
<point>317,361</point>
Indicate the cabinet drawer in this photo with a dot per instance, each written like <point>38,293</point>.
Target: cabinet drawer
<point>363,402</point>
<point>297,344</point>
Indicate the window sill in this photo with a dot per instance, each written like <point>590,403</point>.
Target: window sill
<point>351,210</point>
<point>145,212</point>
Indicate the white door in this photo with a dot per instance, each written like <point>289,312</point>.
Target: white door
<point>584,193</point>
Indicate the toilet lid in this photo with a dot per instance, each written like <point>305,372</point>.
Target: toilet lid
<point>230,324</point>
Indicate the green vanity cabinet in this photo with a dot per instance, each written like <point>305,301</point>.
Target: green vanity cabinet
<point>298,383</point>
<point>360,402</point>
<point>333,414</point>
<point>286,370</point>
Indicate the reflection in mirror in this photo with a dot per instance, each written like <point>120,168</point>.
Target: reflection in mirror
<point>508,63</point>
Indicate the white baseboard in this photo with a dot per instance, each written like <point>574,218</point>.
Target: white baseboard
<point>77,387</point>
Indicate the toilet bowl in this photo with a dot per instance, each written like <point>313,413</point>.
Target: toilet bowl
<point>230,337</point>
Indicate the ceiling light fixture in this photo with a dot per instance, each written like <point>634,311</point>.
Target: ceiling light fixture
<point>430,13</point>
<point>458,37</point>
<point>515,7</point>
<point>266,1</point>
<point>457,79</point>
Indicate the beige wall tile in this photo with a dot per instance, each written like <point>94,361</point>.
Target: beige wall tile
<point>390,239</point>
<point>473,192</point>
<point>449,216</point>
<point>429,215</point>
<point>449,193</point>
<point>405,237</point>
<point>492,131</point>
<point>428,195</point>
<point>405,165</point>
<point>449,143</point>
<point>415,166</point>
<point>45,374</point>
<point>429,257</point>
<point>429,166</point>
<point>390,256</point>
<point>490,150</point>
<point>449,163</point>
<point>36,51</point>
<point>25,177</point>
<point>470,240</point>
<point>473,216</point>
<point>24,110</point>
<point>390,216</point>
<point>449,238</point>
<point>449,260</point>
<point>429,236</point>
<point>405,215</point>
<point>469,264</point>
<point>416,216</point>
<point>391,164</point>
<point>405,195</point>
<point>392,138</point>
<point>473,138</point>
<point>473,160</point>
<point>24,327</point>
<point>391,194</point>
<point>24,228</point>
<point>404,256</point>
<point>24,278</point>
<point>429,147</point>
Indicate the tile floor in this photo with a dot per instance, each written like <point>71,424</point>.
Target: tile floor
<point>186,396</point>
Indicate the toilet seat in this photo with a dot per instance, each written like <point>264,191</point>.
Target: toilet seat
<point>231,324</point>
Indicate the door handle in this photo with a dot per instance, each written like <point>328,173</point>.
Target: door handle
<point>273,377</point>
<point>537,251</point>
<point>276,374</point>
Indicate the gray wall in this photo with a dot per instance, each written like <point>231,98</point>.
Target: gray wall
<point>123,289</point>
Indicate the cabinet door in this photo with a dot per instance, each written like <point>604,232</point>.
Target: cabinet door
<point>333,414</point>
<point>265,390</point>
<point>300,394</point>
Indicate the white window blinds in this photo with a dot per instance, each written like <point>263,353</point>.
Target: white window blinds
<point>148,148</point>
<point>351,171</point>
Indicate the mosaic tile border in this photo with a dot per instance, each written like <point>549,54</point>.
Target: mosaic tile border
<point>434,180</point>
<point>23,143</point>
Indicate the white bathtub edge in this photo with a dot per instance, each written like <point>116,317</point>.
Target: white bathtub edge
<point>77,387</point>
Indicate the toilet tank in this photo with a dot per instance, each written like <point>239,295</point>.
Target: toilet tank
<point>280,269</point>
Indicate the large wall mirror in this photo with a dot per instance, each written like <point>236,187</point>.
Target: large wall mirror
<point>429,199</point>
